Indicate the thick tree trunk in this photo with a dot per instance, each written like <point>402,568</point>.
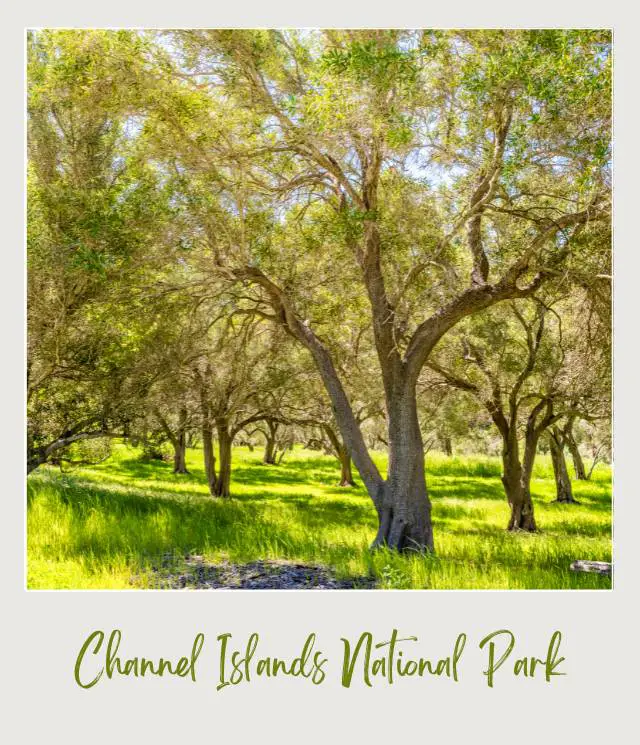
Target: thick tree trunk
<point>209,458</point>
<point>180,456</point>
<point>223,484</point>
<point>564,492</point>
<point>522,516</point>
<point>402,504</point>
<point>269,457</point>
<point>404,512</point>
<point>346,474</point>
<point>271,444</point>
<point>516,486</point>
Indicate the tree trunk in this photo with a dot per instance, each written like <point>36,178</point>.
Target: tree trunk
<point>223,484</point>
<point>578,463</point>
<point>342,454</point>
<point>447,447</point>
<point>269,457</point>
<point>564,492</point>
<point>179,456</point>
<point>404,512</point>
<point>209,458</point>
<point>271,444</point>
<point>346,475</point>
<point>180,444</point>
<point>522,517</point>
<point>207,434</point>
<point>516,485</point>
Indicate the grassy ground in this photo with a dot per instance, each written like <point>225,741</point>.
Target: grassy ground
<point>104,527</point>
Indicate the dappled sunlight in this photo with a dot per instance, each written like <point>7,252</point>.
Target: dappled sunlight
<point>110,525</point>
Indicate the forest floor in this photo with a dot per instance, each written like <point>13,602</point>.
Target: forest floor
<point>129,524</point>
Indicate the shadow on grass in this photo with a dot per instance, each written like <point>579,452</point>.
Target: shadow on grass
<point>103,522</point>
<point>129,514</point>
<point>251,473</point>
<point>467,488</point>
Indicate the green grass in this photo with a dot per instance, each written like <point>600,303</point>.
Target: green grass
<point>106,526</point>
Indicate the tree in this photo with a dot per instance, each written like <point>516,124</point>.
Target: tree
<point>92,206</point>
<point>568,437</point>
<point>284,385</point>
<point>227,376</point>
<point>377,185</point>
<point>491,369</point>
<point>306,404</point>
<point>564,490</point>
<point>176,433</point>
<point>474,156</point>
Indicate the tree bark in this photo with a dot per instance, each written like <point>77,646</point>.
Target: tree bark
<point>342,454</point>
<point>38,456</point>
<point>522,515</point>
<point>209,458</point>
<point>207,433</point>
<point>404,512</point>
<point>564,492</point>
<point>179,442</point>
<point>223,483</point>
<point>515,480</point>
<point>578,463</point>
<point>271,444</point>
<point>447,446</point>
<point>179,456</point>
<point>346,474</point>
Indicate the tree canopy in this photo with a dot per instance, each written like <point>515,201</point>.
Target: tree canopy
<point>388,200</point>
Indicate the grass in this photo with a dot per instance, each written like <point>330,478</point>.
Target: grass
<point>106,526</point>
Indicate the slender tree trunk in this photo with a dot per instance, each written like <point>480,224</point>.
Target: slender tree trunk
<point>564,492</point>
<point>223,484</point>
<point>447,447</point>
<point>346,475</point>
<point>404,513</point>
<point>178,440</point>
<point>207,434</point>
<point>578,463</point>
<point>209,457</point>
<point>342,454</point>
<point>180,444</point>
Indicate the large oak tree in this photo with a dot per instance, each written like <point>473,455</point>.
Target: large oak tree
<point>445,172</point>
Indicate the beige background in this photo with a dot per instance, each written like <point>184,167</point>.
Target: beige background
<point>43,631</point>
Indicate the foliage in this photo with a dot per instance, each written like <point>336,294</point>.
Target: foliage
<point>231,229</point>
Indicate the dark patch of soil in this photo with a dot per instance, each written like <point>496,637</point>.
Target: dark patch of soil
<point>194,573</point>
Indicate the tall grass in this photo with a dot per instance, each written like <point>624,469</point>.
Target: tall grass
<point>114,524</point>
